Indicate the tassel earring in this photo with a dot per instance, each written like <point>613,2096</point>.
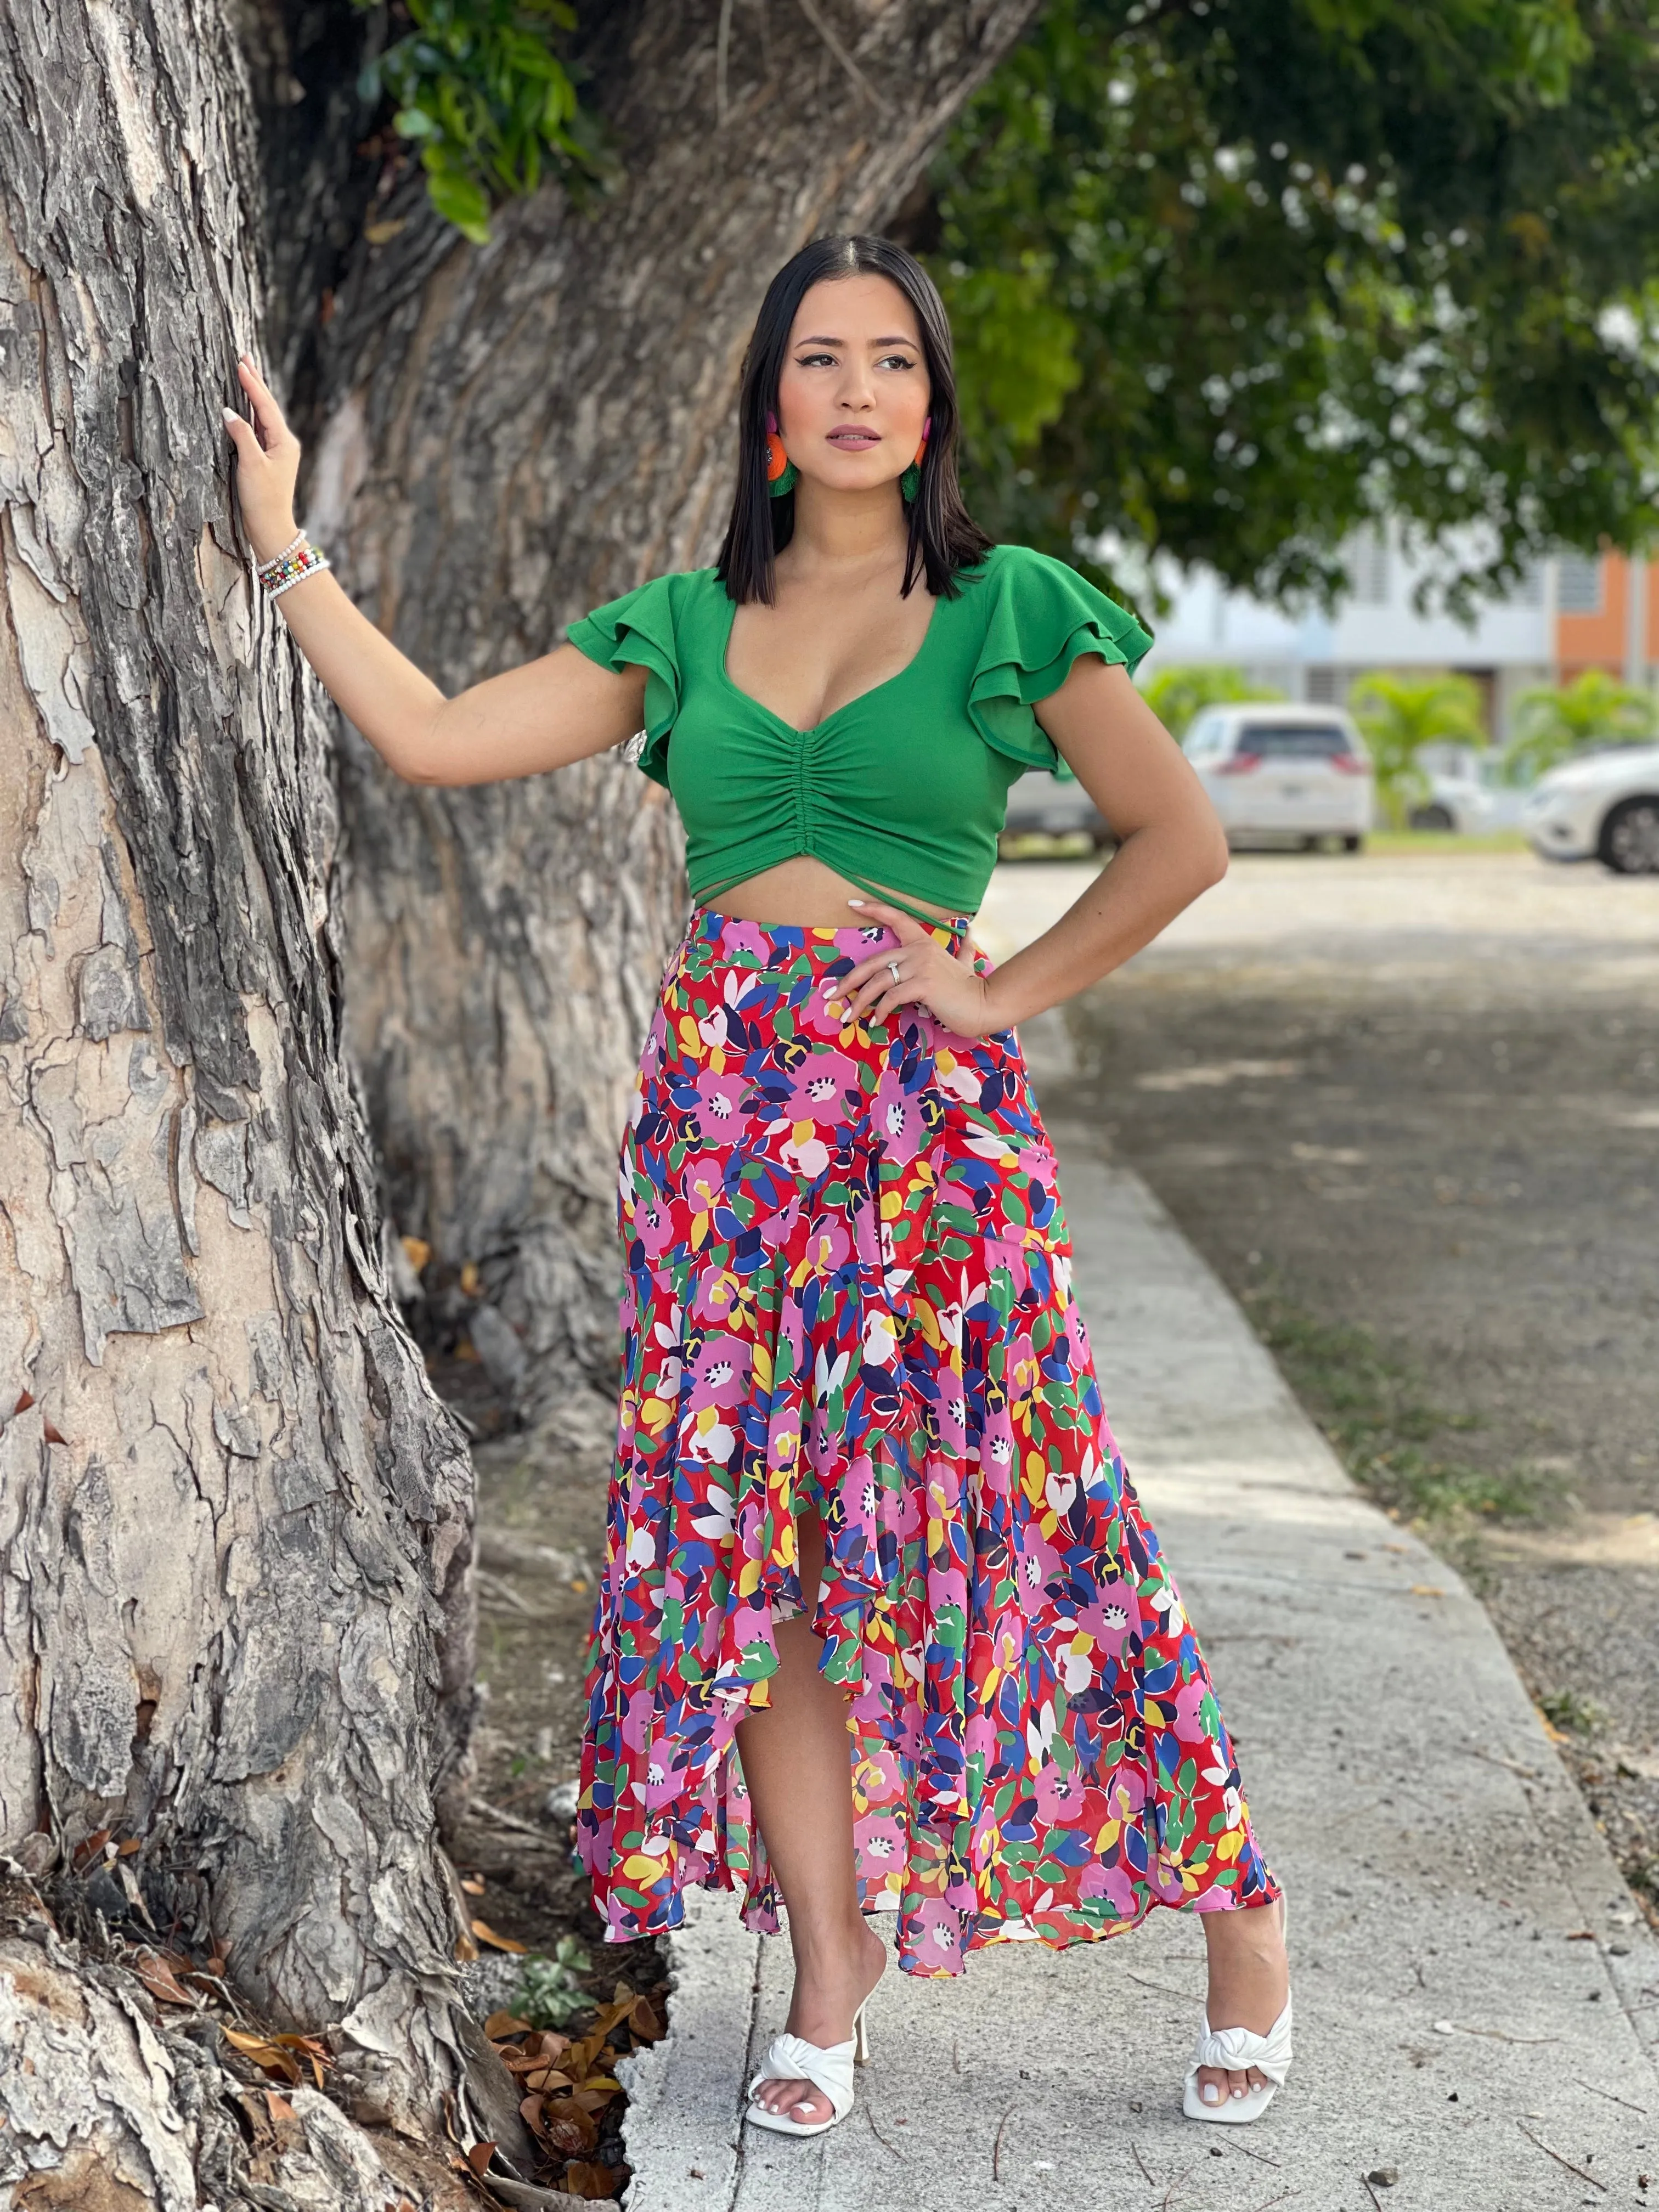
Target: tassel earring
<point>910,482</point>
<point>781,474</point>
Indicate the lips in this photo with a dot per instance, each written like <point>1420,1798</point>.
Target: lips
<point>858,441</point>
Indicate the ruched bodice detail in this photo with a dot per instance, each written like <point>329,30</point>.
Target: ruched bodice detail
<point>904,788</point>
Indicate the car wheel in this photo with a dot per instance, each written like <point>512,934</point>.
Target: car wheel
<point>1432,817</point>
<point>1629,844</point>
<point>1352,844</point>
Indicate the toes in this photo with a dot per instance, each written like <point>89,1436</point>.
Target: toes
<point>1238,2085</point>
<point>1212,2085</point>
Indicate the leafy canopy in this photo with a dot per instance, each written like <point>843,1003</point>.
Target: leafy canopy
<point>1229,279</point>
<point>481,90</point>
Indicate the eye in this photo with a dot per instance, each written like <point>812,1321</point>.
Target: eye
<point>814,359</point>
<point>896,360</point>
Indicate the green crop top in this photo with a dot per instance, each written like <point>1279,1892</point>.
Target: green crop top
<point>907,784</point>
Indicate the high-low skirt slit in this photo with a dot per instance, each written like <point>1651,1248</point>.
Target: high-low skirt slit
<point>848,1288</point>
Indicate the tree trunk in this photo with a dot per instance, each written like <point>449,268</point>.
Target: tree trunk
<point>234,1522</point>
<point>517,433</point>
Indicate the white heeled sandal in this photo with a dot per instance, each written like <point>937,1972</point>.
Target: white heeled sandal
<point>1234,2051</point>
<point>826,2067</point>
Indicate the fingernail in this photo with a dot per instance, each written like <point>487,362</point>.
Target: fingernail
<point>230,415</point>
<point>1212,2095</point>
<point>855,902</point>
<point>247,357</point>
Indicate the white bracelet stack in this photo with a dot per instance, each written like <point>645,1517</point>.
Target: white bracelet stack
<point>298,559</point>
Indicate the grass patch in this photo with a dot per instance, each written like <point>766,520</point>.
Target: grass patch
<point>1573,1714</point>
<point>1372,1409</point>
<point>1446,840</point>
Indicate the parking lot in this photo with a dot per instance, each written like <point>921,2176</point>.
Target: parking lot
<point>1407,1107</point>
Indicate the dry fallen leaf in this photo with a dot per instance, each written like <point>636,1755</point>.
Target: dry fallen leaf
<point>279,2107</point>
<point>501,2024</point>
<point>479,2156</point>
<point>1427,1589</point>
<point>592,2181</point>
<point>486,1934</point>
<point>416,1250</point>
<point>567,2129</point>
<point>473,1888</point>
<point>158,1977</point>
<point>264,2052</point>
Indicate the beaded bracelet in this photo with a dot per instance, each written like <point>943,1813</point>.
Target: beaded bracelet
<point>285,569</point>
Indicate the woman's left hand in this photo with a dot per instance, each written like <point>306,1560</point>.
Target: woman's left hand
<point>943,982</point>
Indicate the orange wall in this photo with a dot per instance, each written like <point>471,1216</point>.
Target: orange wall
<point>1598,640</point>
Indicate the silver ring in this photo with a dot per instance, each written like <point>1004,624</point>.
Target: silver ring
<point>893,970</point>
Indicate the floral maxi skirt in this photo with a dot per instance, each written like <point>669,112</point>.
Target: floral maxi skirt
<point>848,1289</point>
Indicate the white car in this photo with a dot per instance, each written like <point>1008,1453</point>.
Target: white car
<point>1604,808</point>
<point>1466,792</point>
<point>1279,773</point>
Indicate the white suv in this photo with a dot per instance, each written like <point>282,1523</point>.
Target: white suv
<point>1276,773</point>
<point>1605,808</point>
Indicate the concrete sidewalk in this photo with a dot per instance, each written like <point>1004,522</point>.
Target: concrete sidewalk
<point>1474,1988</point>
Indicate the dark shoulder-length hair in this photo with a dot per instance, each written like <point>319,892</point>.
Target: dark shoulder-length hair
<point>943,536</point>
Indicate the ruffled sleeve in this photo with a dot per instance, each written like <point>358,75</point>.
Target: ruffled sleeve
<point>638,629</point>
<point>1042,615</point>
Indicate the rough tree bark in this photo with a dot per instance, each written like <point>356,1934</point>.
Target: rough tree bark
<point>509,435</point>
<point>234,1520</point>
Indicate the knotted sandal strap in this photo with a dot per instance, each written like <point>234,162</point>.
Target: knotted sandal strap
<point>791,2057</point>
<point>1235,2050</point>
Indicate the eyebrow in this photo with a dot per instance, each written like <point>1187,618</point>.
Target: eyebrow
<point>819,338</point>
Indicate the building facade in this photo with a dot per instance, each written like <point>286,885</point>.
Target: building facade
<point>1574,612</point>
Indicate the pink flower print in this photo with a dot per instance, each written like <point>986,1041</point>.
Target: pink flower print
<point>859,1493</point>
<point>1109,1618</point>
<point>939,1934</point>
<point>654,1226</point>
<point>879,1840</point>
<point>716,1295</point>
<point>815,1087</point>
<point>828,1244</point>
<point>996,1453</point>
<point>980,1736</point>
<point>1190,1725</point>
<point>814,1016</point>
<point>636,1720</point>
<point>896,1117</point>
<point>665,1781</point>
<point>1038,1563</point>
<point>747,937</point>
<point>1061,1798</point>
<point>1077,1336</point>
<point>719,1114</point>
<point>702,1182</point>
<point>1112,1882</point>
<point>952,1415</point>
<point>1005,1252</point>
<point>721,1370</point>
<point>1021,1377</point>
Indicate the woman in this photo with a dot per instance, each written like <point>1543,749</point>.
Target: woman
<point>881,1624</point>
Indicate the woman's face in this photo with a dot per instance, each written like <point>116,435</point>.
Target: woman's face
<point>853,391</point>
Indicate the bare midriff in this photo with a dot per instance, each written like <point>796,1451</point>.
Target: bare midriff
<point>802,893</point>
